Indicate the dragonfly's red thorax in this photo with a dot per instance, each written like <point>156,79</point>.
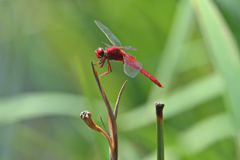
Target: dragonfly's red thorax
<point>114,53</point>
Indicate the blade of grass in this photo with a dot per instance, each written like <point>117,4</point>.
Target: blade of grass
<point>224,52</point>
<point>169,59</point>
<point>210,85</point>
<point>36,105</point>
<point>209,131</point>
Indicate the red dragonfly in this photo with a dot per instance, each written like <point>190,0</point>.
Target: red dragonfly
<point>116,52</point>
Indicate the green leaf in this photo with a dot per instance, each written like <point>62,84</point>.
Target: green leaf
<point>209,131</point>
<point>36,105</point>
<point>176,103</point>
<point>223,51</point>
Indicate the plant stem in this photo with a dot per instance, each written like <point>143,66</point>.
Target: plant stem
<point>113,148</point>
<point>160,140</point>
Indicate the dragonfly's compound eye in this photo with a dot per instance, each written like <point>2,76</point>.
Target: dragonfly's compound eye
<point>99,52</point>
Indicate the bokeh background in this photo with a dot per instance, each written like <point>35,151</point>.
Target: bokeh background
<point>46,80</point>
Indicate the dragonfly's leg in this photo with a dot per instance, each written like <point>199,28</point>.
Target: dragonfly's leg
<point>109,69</point>
<point>101,62</point>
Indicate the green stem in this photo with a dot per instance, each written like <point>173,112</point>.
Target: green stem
<point>160,140</point>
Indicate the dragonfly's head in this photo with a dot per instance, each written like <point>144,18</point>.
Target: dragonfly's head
<point>99,52</point>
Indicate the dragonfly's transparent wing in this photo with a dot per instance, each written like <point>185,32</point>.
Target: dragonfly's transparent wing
<point>111,37</point>
<point>127,48</point>
<point>106,44</point>
<point>131,66</point>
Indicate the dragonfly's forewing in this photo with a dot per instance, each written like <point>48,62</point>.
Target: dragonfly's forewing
<point>127,48</point>
<point>111,37</point>
<point>106,44</point>
<point>131,67</point>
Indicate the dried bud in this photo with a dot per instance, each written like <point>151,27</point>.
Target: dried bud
<point>87,118</point>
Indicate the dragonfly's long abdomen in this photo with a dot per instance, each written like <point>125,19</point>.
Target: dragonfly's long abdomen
<point>151,77</point>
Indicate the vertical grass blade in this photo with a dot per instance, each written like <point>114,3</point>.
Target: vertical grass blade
<point>223,51</point>
<point>181,25</point>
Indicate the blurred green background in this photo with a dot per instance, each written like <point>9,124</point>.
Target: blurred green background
<point>191,47</point>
